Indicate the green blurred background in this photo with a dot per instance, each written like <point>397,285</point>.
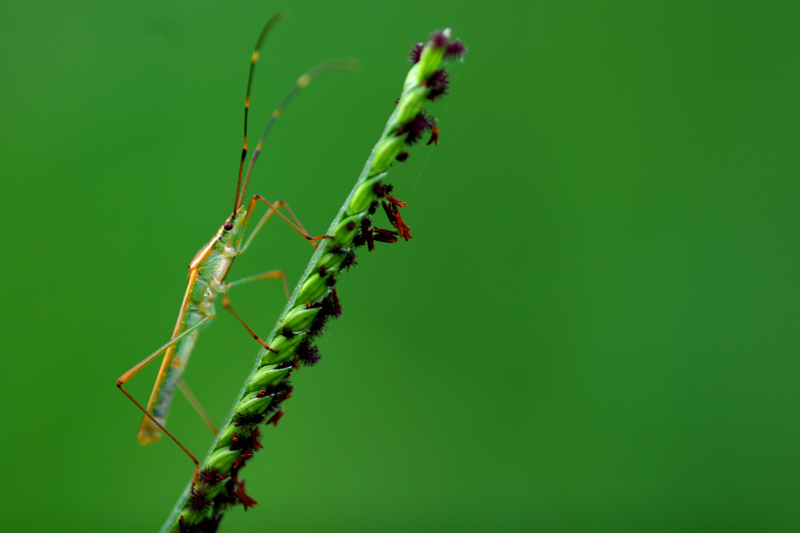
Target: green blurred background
<point>595,327</point>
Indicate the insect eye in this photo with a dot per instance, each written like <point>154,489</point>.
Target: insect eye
<point>228,226</point>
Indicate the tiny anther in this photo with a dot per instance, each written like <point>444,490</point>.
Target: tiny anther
<point>284,395</point>
<point>373,207</point>
<point>381,231</point>
<point>228,226</point>
<point>322,271</point>
<point>434,136</point>
<point>350,226</point>
<point>254,434</point>
<point>274,419</point>
<point>397,220</point>
<point>366,233</point>
<point>240,494</point>
<point>330,281</point>
<point>395,201</point>
<point>386,238</point>
<point>287,332</point>
<point>378,189</point>
<point>243,457</point>
<point>402,156</point>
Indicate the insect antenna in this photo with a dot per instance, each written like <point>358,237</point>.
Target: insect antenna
<point>253,60</point>
<point>301,83</point>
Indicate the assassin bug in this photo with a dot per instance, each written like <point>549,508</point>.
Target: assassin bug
<point>209,269</point>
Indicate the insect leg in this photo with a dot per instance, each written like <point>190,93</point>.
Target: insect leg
<point>301,230</point>
<point>226,303</point>
<point>271,211</point>
<point>272,274</point>
<point>140,365</point>
<point>184,388</point>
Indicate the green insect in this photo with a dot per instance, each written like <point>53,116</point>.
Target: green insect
<point>209,270</point>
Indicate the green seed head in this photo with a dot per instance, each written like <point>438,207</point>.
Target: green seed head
<point>387,151</point>
<point>411,103</point>
<point>364,196</point>
<point>222,460</point>
<point>432,55</point>
<point>299,318</point>
<point>252,403</point>
<point>268,375</point>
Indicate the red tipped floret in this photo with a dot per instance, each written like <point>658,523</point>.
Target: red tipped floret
<point>242,496</point>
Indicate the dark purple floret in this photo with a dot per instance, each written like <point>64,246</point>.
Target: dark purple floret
<point>359,240</point>
<point>455,50</point>
<point>438,83</point>
<point>332,303</point>
<point>307,354</point>
<point>439,39</point>
<point>283,393</point>
<point>207,525</point>
<point>210,476</point>
<point>281,388</point>
<point>329,307</point>
<point>247,419</point>
<point>198,501</point>
<point>285,364</point>
<point>350,258</point>
<point>418,126</point>
<point>414,54</point>
<point>402,156</point>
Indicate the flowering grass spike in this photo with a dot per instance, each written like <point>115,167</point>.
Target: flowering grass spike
<point>315,301</point>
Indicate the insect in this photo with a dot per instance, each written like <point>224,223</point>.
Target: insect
<point>209,269</point>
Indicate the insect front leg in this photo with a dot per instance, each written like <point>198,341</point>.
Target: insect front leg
<point>273,209</point>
